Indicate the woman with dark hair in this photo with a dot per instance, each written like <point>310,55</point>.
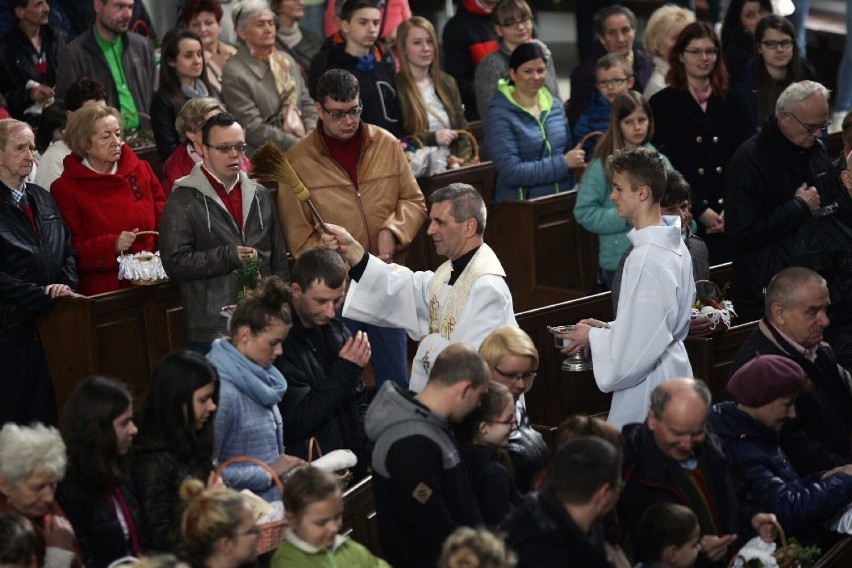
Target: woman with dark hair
<point>181,78</point>
<point>97,494</point>
<point>698,126</point>
<point>204,17</point>
<point>176,441</point>
<point>248,422</point>
<point>738,28</point>
<point>528,136</point>
<point>776,64</point>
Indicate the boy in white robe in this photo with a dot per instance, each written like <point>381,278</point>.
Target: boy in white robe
<point>643,346</point>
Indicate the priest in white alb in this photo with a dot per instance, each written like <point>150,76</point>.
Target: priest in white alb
<point>462,302</point>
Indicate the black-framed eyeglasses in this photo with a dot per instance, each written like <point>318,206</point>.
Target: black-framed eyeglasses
<point>513,421</point>
<point>811,128</point>
<point>612,82</point>
<point>338,115</point>
<point>517,24</point>
<point>526,377</point>
<point>697,52</point>
<point>228,148</point>
<point>775,44</point>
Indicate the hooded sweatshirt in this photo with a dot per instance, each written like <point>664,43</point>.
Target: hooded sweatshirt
<point>419,482</point>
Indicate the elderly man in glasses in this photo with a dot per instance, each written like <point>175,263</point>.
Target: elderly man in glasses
<point>215,220</point>
<point>359,179</point>
<point>776,180</point>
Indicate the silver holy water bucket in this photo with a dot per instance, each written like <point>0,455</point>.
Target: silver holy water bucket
<point>575,362</point>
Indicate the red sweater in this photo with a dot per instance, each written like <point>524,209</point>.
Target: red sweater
<point>97,207</point>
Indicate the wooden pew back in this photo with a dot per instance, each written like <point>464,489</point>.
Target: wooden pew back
<point>359,515</point>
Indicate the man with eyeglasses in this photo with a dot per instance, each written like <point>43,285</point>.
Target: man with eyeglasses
<point>359,179</point>
<point>214,221</point>
<point>672,458</point>
<point>775,181</point>
<point>615,28</point>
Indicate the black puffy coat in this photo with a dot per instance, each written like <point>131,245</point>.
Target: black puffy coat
<point>528,451</point>
<point>30,261</point>
<point>158,471</point>
<point>800,504</point>
<point>544,535</point>
<point>492,483</point>
<point>325,397</point>
<point>763,215</point>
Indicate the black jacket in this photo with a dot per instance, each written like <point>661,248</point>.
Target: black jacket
<point>377,82</point>
<point>164,111</point>
<point>824,414</point>
<point>16,55</point>
<point>529,453</point>
<point>824,244</point>
<point>31,260</point>
<point>158,471</point>
<point>543,535</point>
<point>99,533</point>
<point>325,395</point>
<point>492,483</point>
<point>699,145</point>
<point>648,479</point>
<point>762,213</point>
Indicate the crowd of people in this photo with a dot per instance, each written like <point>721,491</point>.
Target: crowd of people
<point>712,149</point>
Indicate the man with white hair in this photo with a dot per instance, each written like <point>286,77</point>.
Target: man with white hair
<point>776,180</point>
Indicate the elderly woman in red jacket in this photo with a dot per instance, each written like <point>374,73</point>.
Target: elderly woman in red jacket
<point>107,195</point>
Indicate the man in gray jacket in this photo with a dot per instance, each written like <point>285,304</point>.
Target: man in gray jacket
<point>122,62</point>
<point>214,220</point>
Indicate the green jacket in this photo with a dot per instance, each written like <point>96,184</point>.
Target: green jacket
<point>345,553</point>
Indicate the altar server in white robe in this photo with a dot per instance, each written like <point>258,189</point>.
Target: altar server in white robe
<point>462,302</point>
<point>643,346</point>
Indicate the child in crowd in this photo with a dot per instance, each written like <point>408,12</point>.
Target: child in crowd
<point>484,436</point>
<point>314,504</point>
<point>476,548</point>
<point>631,124</point>
<point>668,537</point>
<point>362,54</point>
<point>613,76</point>
<point>17,542</point>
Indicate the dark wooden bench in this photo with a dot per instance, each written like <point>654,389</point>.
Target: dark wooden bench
<point>359,515</point>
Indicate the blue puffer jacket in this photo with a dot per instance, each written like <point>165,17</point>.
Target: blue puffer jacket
<point>799,503</point>
<point>528,151</point>
<point>596,117</point>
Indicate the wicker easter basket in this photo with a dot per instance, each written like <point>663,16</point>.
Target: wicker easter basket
<point>578,172</point>
<point>343,477</point>
<point>786,555</point>
<point>724,313</point>
<point>272,533</point>
<point>146,263</point>
<point>467,160</point>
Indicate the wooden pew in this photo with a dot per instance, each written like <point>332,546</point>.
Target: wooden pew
<point>838,556</point>
<point>548,257</point>
<point>711,357</point>
<point>121,334</point>
<point>359,515</point>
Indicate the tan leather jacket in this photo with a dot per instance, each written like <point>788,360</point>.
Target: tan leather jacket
<point>387,196</point>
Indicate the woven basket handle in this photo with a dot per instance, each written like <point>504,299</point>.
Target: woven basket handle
<point>143,233</point>
<point>779,534</point>
<point>584,139</point>
<point>312,443</point>
<point>255,461</point>
<point>716,287</point>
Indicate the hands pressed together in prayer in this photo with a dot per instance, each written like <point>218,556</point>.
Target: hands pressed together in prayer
<point>356,349</point>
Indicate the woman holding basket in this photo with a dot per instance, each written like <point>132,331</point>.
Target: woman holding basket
<point>248,422</point>
<point>429,99</point>
<point>110,199</point>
